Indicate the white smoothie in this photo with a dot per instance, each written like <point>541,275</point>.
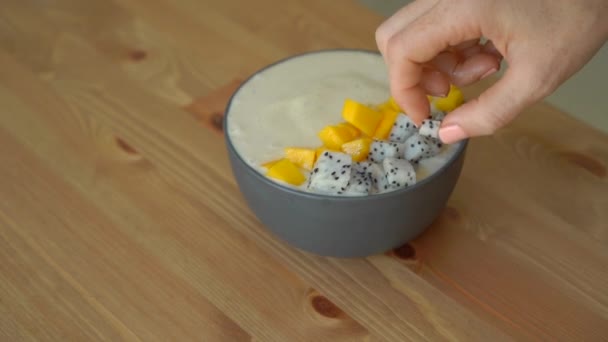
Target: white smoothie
<point>289,103</point>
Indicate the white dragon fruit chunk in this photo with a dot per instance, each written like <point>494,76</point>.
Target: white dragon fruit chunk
<point>378,179</point>
<point>402,129</point>
<point>418,147</point>
<point>434,147</point>
<point>361,167</point>
<point>359,184</point>
<point>378,150</point>
<point>437,115</point>
<point>331,173</point>
<point>430,128</point>
<point>399,173</point>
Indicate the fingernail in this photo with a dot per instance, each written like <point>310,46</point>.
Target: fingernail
<point>441,93</point>
<point>451,134</point>
<point>490,72</point>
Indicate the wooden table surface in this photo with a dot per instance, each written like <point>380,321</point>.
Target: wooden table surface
<point>120,219</point>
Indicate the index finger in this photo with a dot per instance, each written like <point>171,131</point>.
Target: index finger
<point>419,43</point>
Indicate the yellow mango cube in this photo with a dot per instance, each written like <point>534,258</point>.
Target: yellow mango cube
<point>358,148</point>
<point>454,99</point>
<point>286,171</point>
<point>361,116</point>
<point>354,132</point>
<point>269,164</point>
<point>334,136</point>
<point>385,126</point>
<point>394,105</point>
<point>383,107</point>
<point>389,105</point>
<point>302,157</point>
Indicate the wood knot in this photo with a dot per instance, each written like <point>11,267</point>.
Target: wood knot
<point>405,252</point>
<point>217,121</point>
<point>138,55</point>
<point>125,147</point>
<point>325,307</point>
<point>591,165</point>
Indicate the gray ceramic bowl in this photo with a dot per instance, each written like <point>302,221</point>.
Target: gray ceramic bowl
<point>343,226</point>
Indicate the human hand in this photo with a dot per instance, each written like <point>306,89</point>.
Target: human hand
<point>431,43</point>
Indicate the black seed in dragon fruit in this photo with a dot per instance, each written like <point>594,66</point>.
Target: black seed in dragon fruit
<point>359,185</point>
<point>402,129</point>
<point>378,179</point>
<point>399,173</point>
<point>378,150</point>
<point>418,147</point>
<point>331,173</point>
<point>361,167</point>
<point>430,128</point>
<point>434,145</point>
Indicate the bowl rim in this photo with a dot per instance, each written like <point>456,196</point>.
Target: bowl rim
<point>316,196</point>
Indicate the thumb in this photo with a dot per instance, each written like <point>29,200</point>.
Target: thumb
<point>495,107</point>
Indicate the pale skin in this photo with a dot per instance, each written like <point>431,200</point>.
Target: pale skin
<point>429,44</point>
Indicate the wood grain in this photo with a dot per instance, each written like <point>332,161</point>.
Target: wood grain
<point>120,219</point>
